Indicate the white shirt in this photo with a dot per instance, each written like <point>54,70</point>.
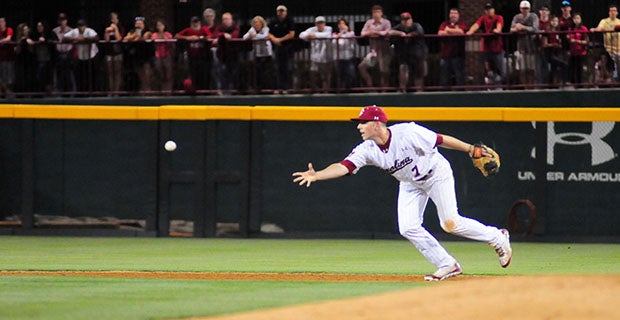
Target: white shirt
<point>410,156</point>
<point>344,48</point>
<point>83,49</point>
<point>320,50</point>
<point>261,43</point>
<point>60,33</point>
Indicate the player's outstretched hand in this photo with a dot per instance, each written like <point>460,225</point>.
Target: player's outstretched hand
<point>306,177</point>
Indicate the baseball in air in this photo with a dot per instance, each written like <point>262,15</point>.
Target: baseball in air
<point>170,145</point>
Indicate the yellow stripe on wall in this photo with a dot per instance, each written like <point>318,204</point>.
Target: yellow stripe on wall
<point>304,113</point>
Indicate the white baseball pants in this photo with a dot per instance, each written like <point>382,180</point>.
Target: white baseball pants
<point>412,200</point>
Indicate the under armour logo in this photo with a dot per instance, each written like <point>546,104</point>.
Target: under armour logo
<point>601,150</point>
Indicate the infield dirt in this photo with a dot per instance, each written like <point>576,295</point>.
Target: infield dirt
<point>463,297</point>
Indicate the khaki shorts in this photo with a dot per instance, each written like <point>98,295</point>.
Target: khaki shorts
<point>525,61</point>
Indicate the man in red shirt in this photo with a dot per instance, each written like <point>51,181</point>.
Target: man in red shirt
<point>452,51</point>
<point>197,53</point>
<point>544,21</point>
<point>7,58</point>
<point>566,24</point>
<point>227,54</point>
<point>492,45</point>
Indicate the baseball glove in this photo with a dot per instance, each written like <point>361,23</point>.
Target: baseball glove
<point>485,159</point>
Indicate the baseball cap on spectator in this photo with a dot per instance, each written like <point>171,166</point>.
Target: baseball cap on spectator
<point>319,19</point>
<point>405,15</point>
<point>281,8</point>
<point>194,19</point>
<point>488,5</point>
<point>565,3</point>
<point>62,16</point>
<point>525,4</point>
<point>372,113</point>
<point>81,23</point>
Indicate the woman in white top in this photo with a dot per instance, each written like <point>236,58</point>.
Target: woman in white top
<point>262,51</point>
<point>344,54</point>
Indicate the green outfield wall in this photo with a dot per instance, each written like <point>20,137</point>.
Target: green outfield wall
<point>234,163</point>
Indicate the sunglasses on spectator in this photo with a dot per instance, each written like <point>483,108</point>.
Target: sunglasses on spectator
<point>405,18</point>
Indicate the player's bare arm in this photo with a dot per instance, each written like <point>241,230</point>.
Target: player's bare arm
<point>453,143</point>
<point>333,171</point>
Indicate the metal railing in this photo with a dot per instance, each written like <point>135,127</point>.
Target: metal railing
<point>170,67</point>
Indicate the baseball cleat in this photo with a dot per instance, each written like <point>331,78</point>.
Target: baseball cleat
<point>504,251</point>
<point>444,273</point>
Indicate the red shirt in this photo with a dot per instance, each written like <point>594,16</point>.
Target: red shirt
<point>163,49</point>
<point>566,23</point>
<point>452,46</point>
<point>7,51</point>
<point>578,49</point>
<point>196,49</point>
<point>210,30</point>
<point>544,25</point>
<point>493,43</point>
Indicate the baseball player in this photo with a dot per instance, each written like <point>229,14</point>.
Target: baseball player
<point>408,152</point>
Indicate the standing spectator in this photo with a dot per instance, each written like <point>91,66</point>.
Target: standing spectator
<point>566,20</point>
<point>164,50</point>
<point>320,52</point>
<point>86,50</point>
<point>210,27</point>
<point>24,59</point>
<point>64,75</point>
<point>552,50</point>
<point>208,23</point>
<point>7,58</point>
<point>377,29</point>
<point>566,24</point>
<point>541,61</point>
<point>282,32</point>
<point>140,54</point>
<point>113,52</point>
<point>262,51</point>
<point>344,54</point>
<point>411,51</point>
<point>44,55</point>
<point>452,50</point>
<point>544,18</point>
<point>492,44</point>
<point>227,54</point>
<point>197,52</point>
<point>611,39</point>
<point>525,24</point>
<point>578,38</point>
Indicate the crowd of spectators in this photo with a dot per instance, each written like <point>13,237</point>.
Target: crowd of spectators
<point>212,55</point>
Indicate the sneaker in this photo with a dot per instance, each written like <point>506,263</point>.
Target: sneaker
<point>444,273</point>
<point>505,251</point>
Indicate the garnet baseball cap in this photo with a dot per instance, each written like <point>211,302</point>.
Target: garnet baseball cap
<point>372,113</point>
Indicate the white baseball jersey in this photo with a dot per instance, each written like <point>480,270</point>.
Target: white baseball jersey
<point>409,155</point>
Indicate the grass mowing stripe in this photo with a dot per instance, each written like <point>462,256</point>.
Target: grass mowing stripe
<point>260,255</point>
<point>105,298</point>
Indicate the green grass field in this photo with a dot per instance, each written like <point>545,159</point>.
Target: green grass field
<point>36,297</point>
